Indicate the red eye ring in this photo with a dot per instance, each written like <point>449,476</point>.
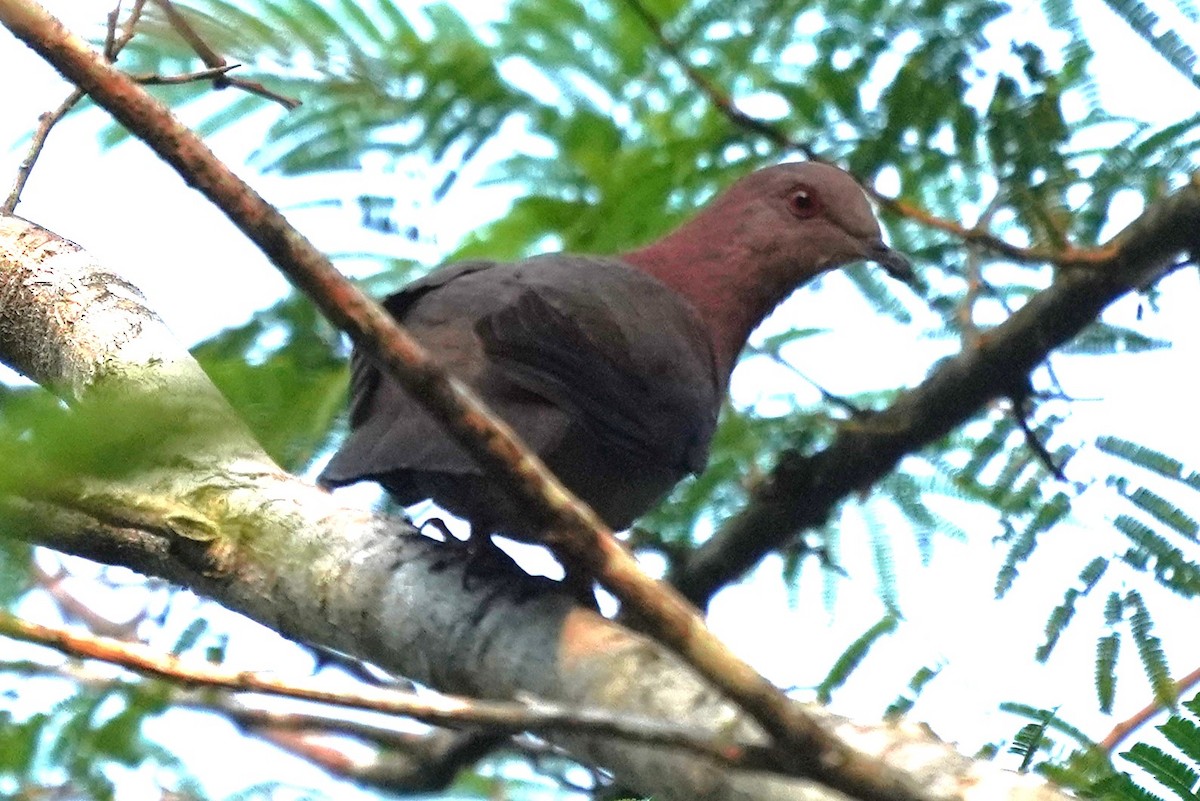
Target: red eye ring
<point>803,203</point>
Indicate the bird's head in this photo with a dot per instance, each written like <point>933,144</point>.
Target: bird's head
<point>805,218</point>
<point>769,233</point>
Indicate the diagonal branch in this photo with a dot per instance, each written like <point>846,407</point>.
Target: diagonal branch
<point>218,67</point>
<point>439,711</point>
<point>1125,728</point>
<point>297,559</point>
<point>802,491</point>
<point>113,45</point>
<point>573,531</point>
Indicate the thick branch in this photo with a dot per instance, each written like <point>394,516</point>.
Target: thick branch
<point>293,557</point>
<point>573,531</point>
<point>802,491</point>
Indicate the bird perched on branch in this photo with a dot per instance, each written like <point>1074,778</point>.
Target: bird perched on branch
<point>612,369</point>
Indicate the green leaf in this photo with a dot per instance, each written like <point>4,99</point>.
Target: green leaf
<point>1165,768</point>
<point>853,656</point>
<point>1162,38</point>
<point>14,569</point>
<point>905,701</point>
<point>1108,648</point>
<point>190,636</point>
<point>1149,648</point>
<point>1184,734</point>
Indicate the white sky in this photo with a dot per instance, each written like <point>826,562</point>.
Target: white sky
<point>135,213</point>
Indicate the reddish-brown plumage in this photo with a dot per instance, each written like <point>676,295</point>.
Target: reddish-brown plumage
<point>611,369</point>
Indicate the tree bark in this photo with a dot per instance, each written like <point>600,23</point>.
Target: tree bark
<point>221,518</point>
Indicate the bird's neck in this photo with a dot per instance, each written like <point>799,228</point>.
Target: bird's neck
<point>731,286</point>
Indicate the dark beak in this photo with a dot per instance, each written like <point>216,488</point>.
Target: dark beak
<point>894,262</point>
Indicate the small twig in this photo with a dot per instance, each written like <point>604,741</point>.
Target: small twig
<point>256,88</point>
<point>110,33</point>
<point>215,62</point>
<point>186,32</point>
<point>1034,444</point>
<point>827,396</point>
<point>408,763</point>
<point>436,710</point>
<point>1122,730</point>
<point>403,760</point>
<point>715,94</point>
<point>71,608</point>
<point>975,283</point>
<point>128,29</point>
<point>154,79</point>
<point>46,122</point>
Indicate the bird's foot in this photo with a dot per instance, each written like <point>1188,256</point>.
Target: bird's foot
<point>483,560</point>
<point>446,555</point>
<point>486,561</point>
<point>580,584</point>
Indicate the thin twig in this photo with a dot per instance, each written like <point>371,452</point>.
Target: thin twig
<point>715,94</point>
<point>71,608</point>
<point>1040,452</point>
<point>154,79</point>
<point>113,45</point>
<point>37,143</point>
<point>215,62</point>
<point>975,283</point>
<point>436,710</point>
<point>186,32</point>
<point>1122,730</point>
<point>829,397</point>
<point>110,33</point>
<point>256,88</point>
<point>574,532</point>
<point>404,760</point>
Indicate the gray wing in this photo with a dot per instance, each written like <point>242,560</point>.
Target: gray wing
<point>626,357</point>
<point>551,344</point>
<point>391,434</point>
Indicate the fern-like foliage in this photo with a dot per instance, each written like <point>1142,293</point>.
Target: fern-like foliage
<point>916,685</point>
<point>1165,41</point>
<point>1173,767</point>
<point>853,656</point>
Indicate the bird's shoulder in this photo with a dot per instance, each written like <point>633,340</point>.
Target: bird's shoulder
<point>589,333</point>
<point>629,355</point>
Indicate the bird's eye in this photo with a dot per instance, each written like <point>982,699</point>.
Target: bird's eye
<point>803,203</point>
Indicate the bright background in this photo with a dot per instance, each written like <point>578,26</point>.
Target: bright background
<point>136,215</point>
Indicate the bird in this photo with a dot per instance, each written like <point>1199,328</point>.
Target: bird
<point>612,369</point>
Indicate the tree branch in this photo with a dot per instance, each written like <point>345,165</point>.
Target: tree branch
<point>403,761</point>
<point>1122,730</point>
<point>217,66</point>
<point>499,717</point>
<point>113,45</point>
<point>573,531</point>
<point>294,557</point>
<point>802,491</point>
